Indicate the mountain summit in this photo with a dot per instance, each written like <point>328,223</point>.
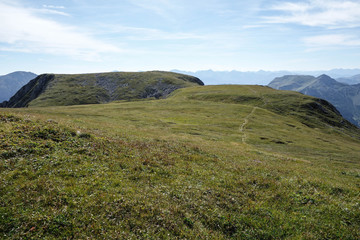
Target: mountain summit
<point>74,89</point>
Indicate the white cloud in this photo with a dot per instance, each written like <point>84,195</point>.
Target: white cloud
<point>251,26</point>
<point>50,11</point>
<point>145,34</point>
<point>292,7</point>
<point>323,13</point>
<point>52,6</point>
<point>332,40</point>
<point>178,10</point>
<point>163,8</point>
<point>21,30</point>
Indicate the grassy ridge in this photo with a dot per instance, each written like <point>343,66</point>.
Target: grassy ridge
<point>192,166</point>
<point>74,89</point>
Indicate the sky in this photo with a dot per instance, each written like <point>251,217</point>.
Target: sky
<point>84,36</point>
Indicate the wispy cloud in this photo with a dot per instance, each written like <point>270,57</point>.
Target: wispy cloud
<point>22,30</point>
<point>163,8</point>
<point>52,6</point>
<point>50,11</point>
<point>179,10</point>
<point>251,26</point>
<point>145,34</point>
<point>322,13</point>
<point>331,40</point>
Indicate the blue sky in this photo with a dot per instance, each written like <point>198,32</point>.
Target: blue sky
<point>78,36</point>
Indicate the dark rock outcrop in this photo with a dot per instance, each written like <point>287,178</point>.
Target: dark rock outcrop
<point>12,82</point>
<point>29,92</point>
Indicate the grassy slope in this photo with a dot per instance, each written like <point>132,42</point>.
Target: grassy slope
<point>209,162</point>
<point>73,89</point>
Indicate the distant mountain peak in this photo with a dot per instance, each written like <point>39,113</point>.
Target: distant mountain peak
<point>328,81</point>
<point>346,98</point>
<point>324,76</point>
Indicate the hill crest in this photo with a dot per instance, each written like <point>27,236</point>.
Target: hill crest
<point>75,89</point>
<point>310,111</point>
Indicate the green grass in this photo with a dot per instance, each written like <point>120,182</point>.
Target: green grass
<point>215,162</point>
<point>75,89</point>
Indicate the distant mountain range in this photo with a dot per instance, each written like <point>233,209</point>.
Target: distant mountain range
<point>74,89</point>
<point>350,80</point>
<point>346,98</point>
<point>210,77</point>
<point>12,82</point>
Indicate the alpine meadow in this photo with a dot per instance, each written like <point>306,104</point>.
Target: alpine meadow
<point>180,119</point>
<point>207,162</point>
